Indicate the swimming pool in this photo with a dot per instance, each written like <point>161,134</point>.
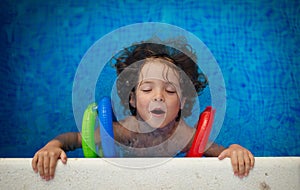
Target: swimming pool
<point>254,43</point>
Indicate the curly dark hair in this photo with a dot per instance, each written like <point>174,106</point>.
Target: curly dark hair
<point>184,62</point>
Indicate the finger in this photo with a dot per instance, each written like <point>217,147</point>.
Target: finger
<point>247,163</point>
<point>63,157</point>
<point>40,165</point>
<point>53,163</point>
<point>252,159</point>
<point>241,163</point>
<point>223,155</point>
<point>34,163</point>
<point>46,165</point>
<point>234,162</point>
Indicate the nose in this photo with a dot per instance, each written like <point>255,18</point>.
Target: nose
<point>158,97</point>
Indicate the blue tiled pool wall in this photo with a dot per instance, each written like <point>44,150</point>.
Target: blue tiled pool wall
<point>256,44</point>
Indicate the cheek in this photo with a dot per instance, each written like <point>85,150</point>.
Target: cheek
<point>142,102</point>
<point>173,105</point>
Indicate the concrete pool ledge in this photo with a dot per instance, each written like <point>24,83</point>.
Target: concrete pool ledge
<point>178,173</point>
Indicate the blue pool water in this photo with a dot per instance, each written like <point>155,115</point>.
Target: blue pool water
<point>256,44</point>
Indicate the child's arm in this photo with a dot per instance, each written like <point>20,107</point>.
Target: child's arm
<point>44,160</point>
<point>242,159</point>
<point>214,150</point>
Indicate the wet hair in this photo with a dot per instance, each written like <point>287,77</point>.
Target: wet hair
<point>184,62</point>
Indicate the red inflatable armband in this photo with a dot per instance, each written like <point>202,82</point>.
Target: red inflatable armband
<point>202,133</point>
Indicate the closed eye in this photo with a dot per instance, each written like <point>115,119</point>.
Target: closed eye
<point>146,90</point>
<point>146,87</point>
<point>171,91</point>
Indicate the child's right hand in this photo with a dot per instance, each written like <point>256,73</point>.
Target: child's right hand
<point>45,160</point>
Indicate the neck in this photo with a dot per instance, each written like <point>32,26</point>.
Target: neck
<point>164,132</point>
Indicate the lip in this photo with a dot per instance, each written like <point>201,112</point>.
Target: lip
<point>157,112</point>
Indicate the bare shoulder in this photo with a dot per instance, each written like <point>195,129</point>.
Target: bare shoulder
<point>123,129</point>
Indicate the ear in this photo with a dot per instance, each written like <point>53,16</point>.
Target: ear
<point>132,101</point>
<point>182,102</point>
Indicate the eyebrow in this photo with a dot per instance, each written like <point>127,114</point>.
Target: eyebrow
<point>146,82</point>
<point>151,82</point>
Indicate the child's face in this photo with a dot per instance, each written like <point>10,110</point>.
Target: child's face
<point>158,96</point>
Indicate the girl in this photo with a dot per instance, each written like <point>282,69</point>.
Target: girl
<point>157,84</point>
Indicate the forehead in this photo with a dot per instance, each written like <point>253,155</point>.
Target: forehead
<point>156,68</point>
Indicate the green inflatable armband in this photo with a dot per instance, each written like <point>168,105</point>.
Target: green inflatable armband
<point>87,133</point>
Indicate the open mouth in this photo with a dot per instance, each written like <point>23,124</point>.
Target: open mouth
<point>158,112</point>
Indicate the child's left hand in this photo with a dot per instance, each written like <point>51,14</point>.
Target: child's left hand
<point>242,159</point>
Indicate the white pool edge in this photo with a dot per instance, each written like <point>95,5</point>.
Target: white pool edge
<point>178,173</point>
